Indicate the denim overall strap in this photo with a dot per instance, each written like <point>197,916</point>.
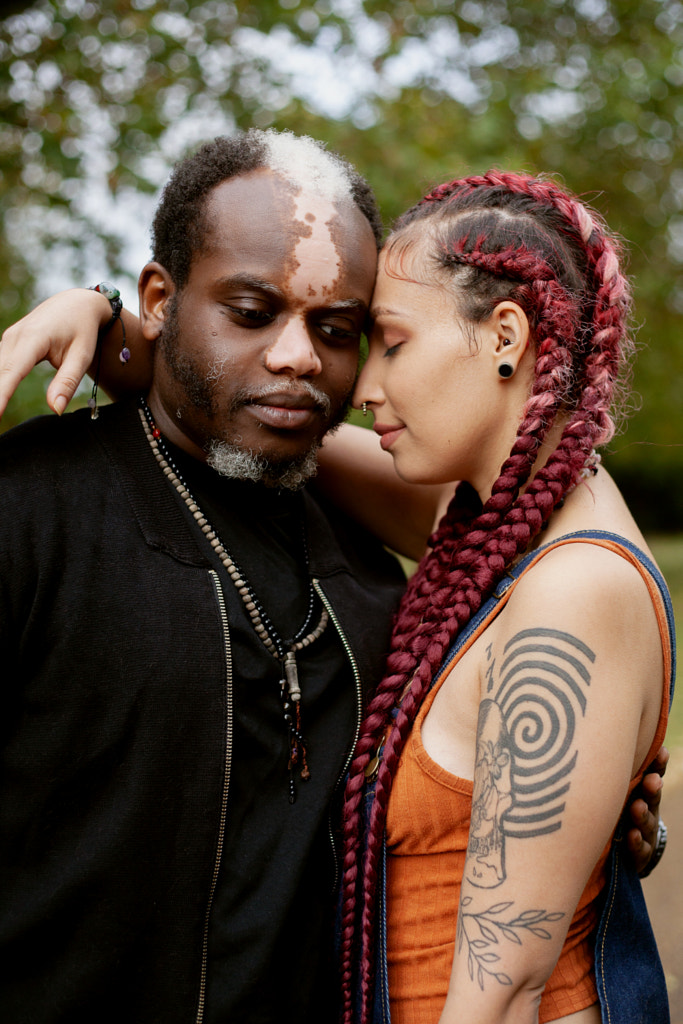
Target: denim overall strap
<point>629,976</point>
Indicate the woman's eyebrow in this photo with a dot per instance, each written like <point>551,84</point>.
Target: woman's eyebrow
<point>377,311</point>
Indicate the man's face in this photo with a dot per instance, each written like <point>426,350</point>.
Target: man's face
<point>261,346</point>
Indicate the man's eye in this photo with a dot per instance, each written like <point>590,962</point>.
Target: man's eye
<point>392,350</point>
<point>340,331</point>
<point>249,315</point>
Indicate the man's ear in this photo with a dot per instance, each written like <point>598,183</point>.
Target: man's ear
<point>509,335</point>
<point>155,288</point>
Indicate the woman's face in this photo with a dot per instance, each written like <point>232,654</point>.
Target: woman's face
<point>431,380</point>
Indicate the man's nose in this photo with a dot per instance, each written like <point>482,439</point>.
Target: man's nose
<point>293,352</point>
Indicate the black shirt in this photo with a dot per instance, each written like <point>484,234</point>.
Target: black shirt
<point>113,758</point>
<point>274,895</point>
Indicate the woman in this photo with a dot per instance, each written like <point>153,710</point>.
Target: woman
<point>499,332</point>
<point>499,336</point>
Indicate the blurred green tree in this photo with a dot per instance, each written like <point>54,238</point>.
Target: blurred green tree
<point>99,98</point>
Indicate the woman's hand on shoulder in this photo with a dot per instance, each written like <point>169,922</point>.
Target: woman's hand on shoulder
<point>62,329</point>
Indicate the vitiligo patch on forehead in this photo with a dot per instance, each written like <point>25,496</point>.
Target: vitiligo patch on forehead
<point>302,162</point>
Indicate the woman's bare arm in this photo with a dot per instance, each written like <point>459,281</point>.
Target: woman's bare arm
<point>565,662</point>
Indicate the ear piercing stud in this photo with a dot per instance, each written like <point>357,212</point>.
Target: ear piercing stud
<point>506,369</point>
<point>364,408</point>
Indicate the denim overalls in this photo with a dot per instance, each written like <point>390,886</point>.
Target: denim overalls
<point>628,971</point>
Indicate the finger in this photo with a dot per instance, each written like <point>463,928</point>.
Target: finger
<point>640,815</point>
<point>635,841</point>
<point>639,849</point>
<point>660,761</point>
<point>650,794</point>
<point>646,828</point>
<point>73,369</point>
<point>16,362</point>
<point>651,789</point>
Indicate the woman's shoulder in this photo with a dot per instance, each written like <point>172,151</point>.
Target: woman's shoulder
<point>585,609</point>
<point>593,545</point>
<point>592,598</point>
<point>589,575</point>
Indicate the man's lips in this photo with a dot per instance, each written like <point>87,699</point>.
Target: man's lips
<point>285,411</point>
<point>387,435</point>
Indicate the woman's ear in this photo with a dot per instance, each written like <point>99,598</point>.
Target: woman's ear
<point>155,288</point>
<point>509,335</point>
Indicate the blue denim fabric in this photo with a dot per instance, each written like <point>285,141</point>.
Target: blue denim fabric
<point>628,971</point>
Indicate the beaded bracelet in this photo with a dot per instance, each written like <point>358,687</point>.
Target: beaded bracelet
<point>113,295</point>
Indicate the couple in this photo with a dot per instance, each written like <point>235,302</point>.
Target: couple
<point>196,648</point>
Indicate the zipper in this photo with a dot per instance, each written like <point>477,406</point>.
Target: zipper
<point>226,785</point>
<point>382,967</point>
<point>359,712</point>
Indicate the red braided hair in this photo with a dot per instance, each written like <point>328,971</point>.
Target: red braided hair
<point>496,236</point>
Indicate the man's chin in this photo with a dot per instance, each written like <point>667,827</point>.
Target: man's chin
<point>244,464</point>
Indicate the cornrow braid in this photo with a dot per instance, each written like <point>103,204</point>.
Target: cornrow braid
<point>490,237</point>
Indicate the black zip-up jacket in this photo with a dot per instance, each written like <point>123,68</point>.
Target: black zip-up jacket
<point>115,747</point>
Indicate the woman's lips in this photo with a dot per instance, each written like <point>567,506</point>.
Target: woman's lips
<point>387,435</point>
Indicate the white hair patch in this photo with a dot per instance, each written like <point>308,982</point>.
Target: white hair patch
<point>304,163</point>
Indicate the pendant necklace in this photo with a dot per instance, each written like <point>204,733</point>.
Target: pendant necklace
<point>284,652</point>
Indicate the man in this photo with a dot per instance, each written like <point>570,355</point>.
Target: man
<point>167,592</point>
<point>167,854</point>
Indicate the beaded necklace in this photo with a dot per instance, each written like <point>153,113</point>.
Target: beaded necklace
<point>282,651</point>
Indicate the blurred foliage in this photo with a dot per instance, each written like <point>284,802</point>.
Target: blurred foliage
<point>99,98</point>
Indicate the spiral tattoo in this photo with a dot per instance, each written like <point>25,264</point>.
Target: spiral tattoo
<point>525,745</point>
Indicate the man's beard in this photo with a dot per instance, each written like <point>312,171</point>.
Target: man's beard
<point>228,457</point>
<point>244,464</point>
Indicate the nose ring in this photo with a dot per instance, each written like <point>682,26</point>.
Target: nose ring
<point>364,407</point>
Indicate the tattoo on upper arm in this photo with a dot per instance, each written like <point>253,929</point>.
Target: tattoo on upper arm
<point>525,745</point>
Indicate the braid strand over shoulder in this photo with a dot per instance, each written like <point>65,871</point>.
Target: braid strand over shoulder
<point>492,237</point>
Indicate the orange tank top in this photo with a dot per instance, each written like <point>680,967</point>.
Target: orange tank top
<point>427,831</point>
